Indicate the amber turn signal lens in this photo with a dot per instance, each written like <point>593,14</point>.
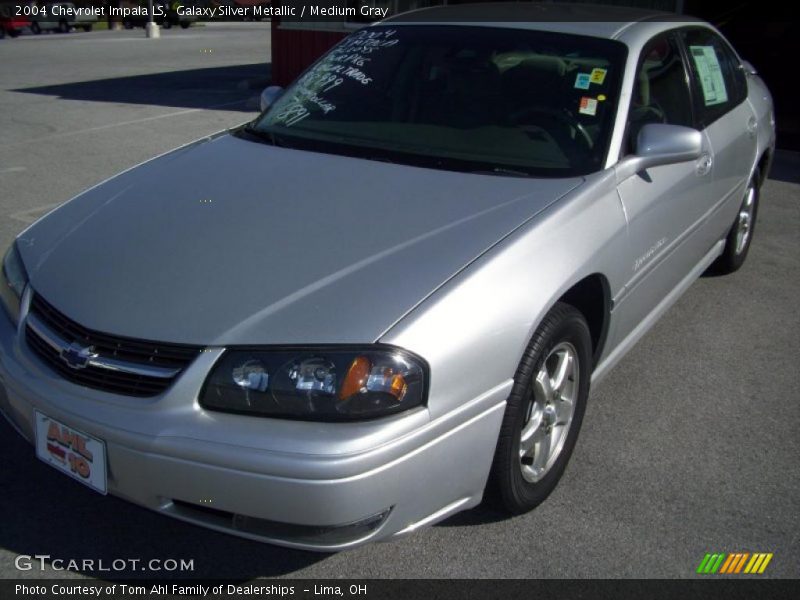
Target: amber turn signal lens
<point>398,387</point>
<point>356,378</point>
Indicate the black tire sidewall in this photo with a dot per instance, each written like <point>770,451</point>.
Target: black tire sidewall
<point>562,324</point>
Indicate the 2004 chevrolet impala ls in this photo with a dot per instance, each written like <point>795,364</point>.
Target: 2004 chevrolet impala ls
<point>390,292</point>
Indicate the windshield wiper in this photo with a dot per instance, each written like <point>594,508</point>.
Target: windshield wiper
<point>261,135</point>
<point>502,171</point>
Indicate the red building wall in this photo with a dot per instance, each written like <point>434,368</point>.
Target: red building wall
<point>294,49</point>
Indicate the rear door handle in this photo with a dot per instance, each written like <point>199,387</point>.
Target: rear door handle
<point>704,163</point>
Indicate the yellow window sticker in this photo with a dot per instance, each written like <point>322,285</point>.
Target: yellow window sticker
<point>598,76</point>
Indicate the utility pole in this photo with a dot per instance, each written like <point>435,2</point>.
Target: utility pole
<point>152,30</point>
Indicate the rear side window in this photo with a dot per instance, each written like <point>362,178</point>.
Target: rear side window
<point>719,82</point>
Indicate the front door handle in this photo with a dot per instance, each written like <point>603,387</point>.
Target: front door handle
<point>752,126</point>
<point>704,163</point>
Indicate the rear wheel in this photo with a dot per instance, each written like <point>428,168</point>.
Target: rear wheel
<point>185,25</point>
<point>544,411</point>
<point>63,26</point>
<point>36,28</point>
<point>740,236</point>
<point>87,28</point>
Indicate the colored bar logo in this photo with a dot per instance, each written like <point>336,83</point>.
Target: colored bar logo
<point>733,563</point>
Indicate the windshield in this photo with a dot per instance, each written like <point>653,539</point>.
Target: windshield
<point>480,99</point>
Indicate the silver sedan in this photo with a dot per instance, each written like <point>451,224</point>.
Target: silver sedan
<point>386,297</point>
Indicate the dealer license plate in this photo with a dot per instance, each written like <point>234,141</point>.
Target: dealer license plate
<point>80,456</point>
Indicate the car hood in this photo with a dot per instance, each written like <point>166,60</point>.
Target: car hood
<point>228,241</point>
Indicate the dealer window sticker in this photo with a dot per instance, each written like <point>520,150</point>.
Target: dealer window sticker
<point>711,80</point>
<point>598,76</point>
<point>588,106</point>
<point>582,81</point>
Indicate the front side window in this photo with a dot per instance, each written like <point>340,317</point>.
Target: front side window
<point>661,90</point>
<point>480,99</point>
<point>719,81</point>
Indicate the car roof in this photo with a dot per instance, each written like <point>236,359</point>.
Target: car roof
<point>582,19</point>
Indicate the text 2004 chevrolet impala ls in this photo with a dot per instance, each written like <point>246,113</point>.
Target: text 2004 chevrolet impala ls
<point>390,291</point>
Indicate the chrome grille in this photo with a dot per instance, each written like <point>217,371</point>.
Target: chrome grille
<point>120,365</point>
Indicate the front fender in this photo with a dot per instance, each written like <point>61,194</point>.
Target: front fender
<point>474,329</point>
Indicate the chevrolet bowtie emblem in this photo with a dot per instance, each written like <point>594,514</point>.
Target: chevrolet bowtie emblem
<point>77,356</point>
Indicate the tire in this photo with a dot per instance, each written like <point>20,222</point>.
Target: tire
<point>547,417</point>
<point>185,25</point>
<point>87,28</point>
<point>740,236</point>
<point>2,32</point>
<point>127,24</point>
<point>167,24</point>
<point>63,26</point>
<point>13,33</point>
<point>36,28</point>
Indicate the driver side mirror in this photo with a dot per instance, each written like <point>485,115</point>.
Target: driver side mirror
<point>660,144</point>
<point>270,95</point>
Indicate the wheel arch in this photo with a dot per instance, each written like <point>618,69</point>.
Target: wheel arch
<point>591,296</point>
<point>763,165</point>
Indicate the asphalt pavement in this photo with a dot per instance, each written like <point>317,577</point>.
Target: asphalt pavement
<point>690,446</point>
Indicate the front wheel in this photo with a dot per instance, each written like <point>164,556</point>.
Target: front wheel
<point>63,26</point>
<point>740,236</point>
<point>544,411</point>
<point>87,28</point>
<point>36,28</point>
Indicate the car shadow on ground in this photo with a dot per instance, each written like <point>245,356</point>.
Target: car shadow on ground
<point>46,513</point>
<point>482,514</point>
<point>236,87</point>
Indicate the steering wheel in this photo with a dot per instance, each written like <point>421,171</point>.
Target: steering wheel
<point>561,124</point>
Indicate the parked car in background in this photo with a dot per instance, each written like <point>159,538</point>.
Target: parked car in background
<point>61,17</point>
<point>11,23</point>
<point>388,295</point>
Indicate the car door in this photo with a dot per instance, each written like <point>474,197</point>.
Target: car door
<point>664,205</point>
<point>719,88</point>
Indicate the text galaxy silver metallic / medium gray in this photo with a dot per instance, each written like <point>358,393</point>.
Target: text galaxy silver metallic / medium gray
<point>386,297</point>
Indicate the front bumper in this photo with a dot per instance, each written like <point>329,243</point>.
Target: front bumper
<point>315,486</point>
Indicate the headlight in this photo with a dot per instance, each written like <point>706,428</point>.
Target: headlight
<point>14,280</point>
<point>316,384</point>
